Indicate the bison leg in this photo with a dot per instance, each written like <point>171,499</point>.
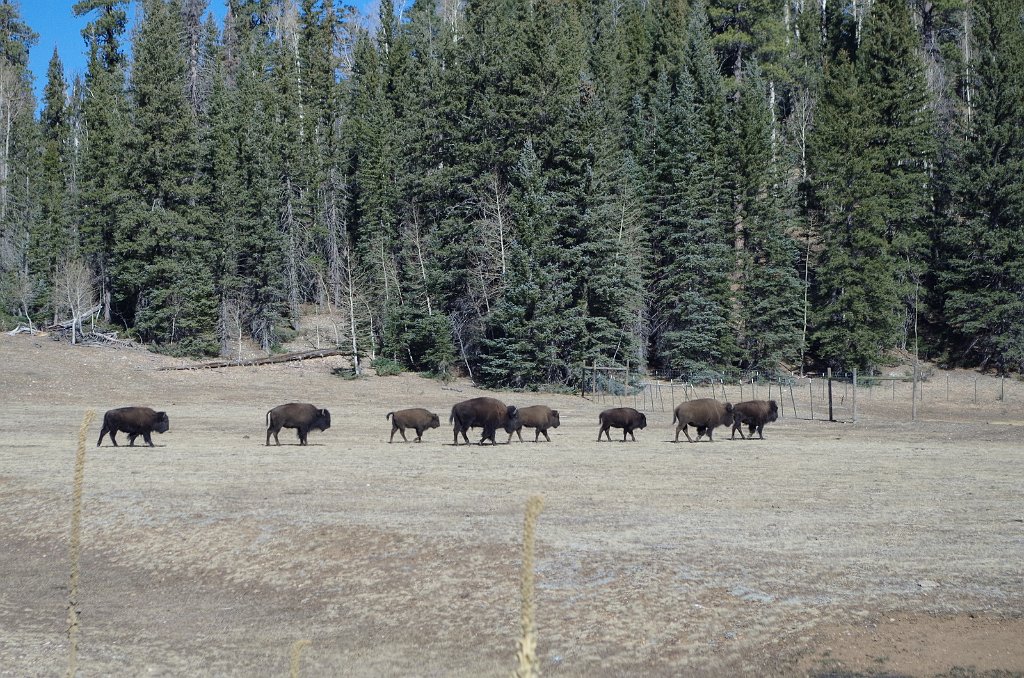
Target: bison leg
<point>545,432</point>
<point>630,432</point>
<point>686,431</point>
<point>302,435</point>
<point>760,432</point>
<point>604,430</point>
<point>148,437</point>
<point>737,427</point>
<point>113,439</point>
<point>103,432</point>
<point>459,430</point>
<point>131,439</point>
<point>273,431</point>
<point>419,435</point>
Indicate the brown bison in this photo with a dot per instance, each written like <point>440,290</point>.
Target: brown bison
<point>625,418</point>
<point>755,414</point>
<point>301,416</point>
<point>415,418</point>
<point>135,421</point>
<point>538,417</point>
<point>486,413</point>
<point>704,414</point>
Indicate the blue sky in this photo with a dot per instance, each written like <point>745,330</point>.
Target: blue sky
<point>58,26</point>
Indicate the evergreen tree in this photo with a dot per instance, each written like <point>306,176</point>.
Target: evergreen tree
<point>982,266</point>
<point>164,247</point>
<point>102,187</point>
<point>245,194</point>
<point>20,182</point>
<point>52,238</point>
<point>749,32</point>
<point>692,324</point>
<point>768,289</point>
<point>870,150</point>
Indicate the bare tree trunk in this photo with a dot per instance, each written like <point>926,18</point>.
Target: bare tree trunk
<point>967,67</point>
<point>351,308</point>
<point>499,214</point>
<point>293,260</point>
<point>419,256</point>
<point>807,285</point>
<point>6,101</point>
<point>333,245</point>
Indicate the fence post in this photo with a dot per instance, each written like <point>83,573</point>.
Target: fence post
<point>975,390</point>
<point>672,391</point>
<point>810,389</point>
<point>830,418</point>
<point>792,399</point>
<point>854,395</point>
<point>1002,387</point>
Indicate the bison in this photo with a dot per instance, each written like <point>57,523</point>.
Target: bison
<point>538,417</point>
<point>625,418</point>
<point>135,421</point>
<point>755,414</point>
<point>301,416</point>
<point>415,418</point>
<point>704,414</point>
<point>486,413</point>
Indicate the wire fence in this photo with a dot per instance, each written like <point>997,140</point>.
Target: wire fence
<point>824,396</point>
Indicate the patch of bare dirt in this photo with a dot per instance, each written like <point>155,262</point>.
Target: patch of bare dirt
<point>877,548</point>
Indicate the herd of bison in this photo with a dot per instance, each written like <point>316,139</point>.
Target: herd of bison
<point>488,414</point>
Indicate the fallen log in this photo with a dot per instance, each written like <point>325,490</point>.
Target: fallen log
<point>77,320</point>
<point>270,360</point>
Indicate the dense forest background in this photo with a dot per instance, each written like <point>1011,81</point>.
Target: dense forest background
<point>513,188</point>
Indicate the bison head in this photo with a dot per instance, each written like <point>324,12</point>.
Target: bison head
<point>322,420</point>
<point>511,418</point>
<point>161,423</point>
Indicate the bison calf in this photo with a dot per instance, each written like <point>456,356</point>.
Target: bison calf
<point>625,418</point>
<point>704,414</point>
<point>301,416</point>
<point>755,414</point>
<point>415,418</point>
<point>486,413</point>
<point>538,417</point>
<point>135,421</point>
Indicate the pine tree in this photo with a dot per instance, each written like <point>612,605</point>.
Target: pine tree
<point>982,267</point>
<point>52,238</point>
<point>768,289</point>
<point>102,183</point>
<point>747,33</point>
<point>164,242</point>
<point>871,148</point>
<point>20,180</point>
<point>245,196</point>
<point>692,322</point>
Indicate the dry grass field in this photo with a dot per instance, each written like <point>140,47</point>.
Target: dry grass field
<point>876,548</point>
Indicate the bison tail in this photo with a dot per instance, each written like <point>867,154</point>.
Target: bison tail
<point>388,415</point>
